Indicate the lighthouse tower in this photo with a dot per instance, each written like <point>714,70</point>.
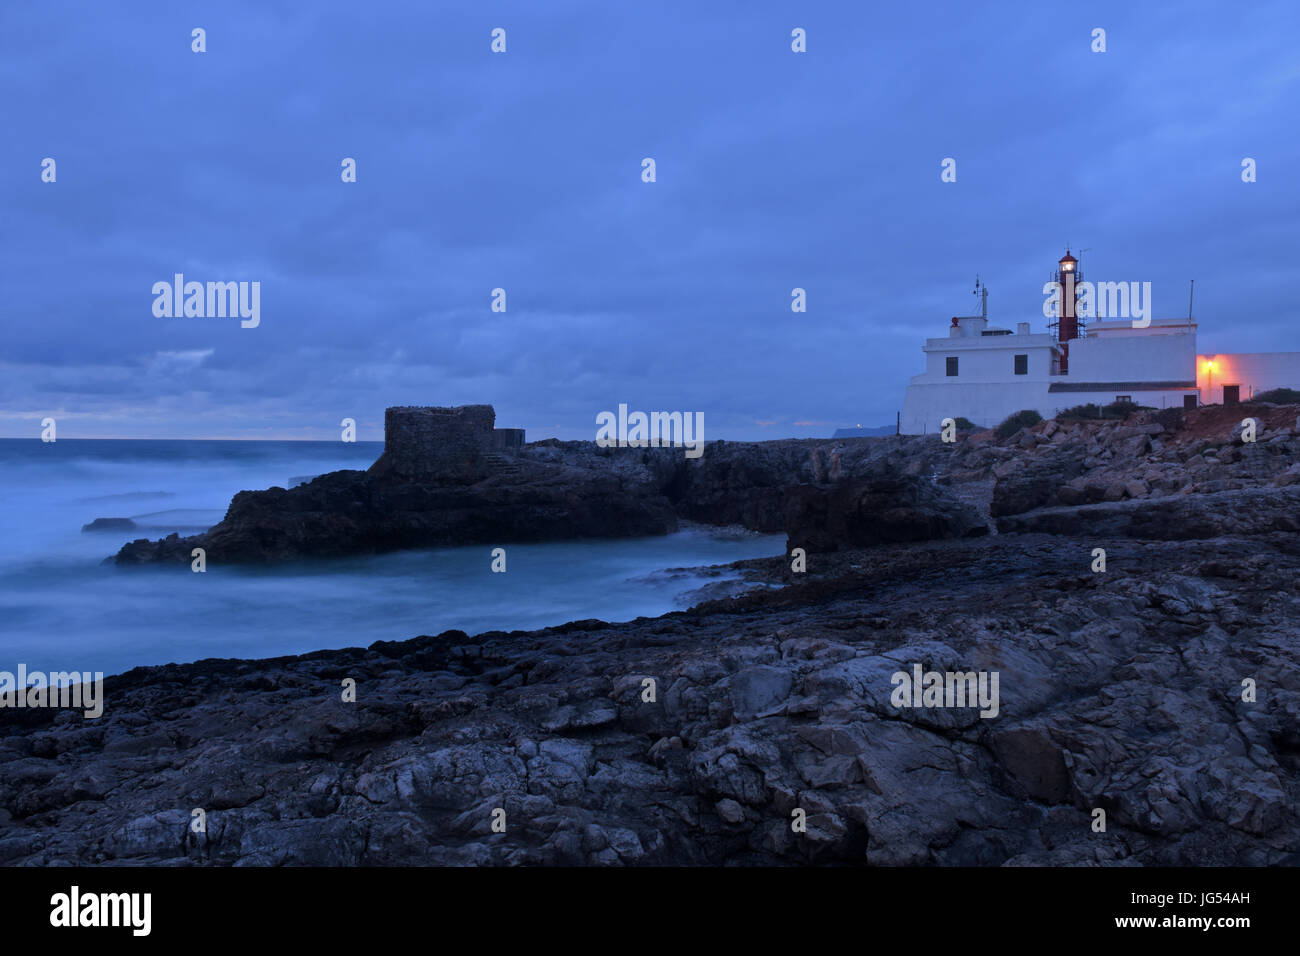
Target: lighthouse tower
<point>1067,325</point>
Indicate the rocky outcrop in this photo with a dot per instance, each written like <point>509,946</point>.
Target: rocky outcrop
<point>1151,455</point>
<point>868,512</point>
<point>1023,484</point>
<point>351,512</point>
<point>746,483</point>
<point>703,736</point>
<point>1251,511</point>
<point>1162,691</point>
<point>453,479</point>
<point>445,481</point>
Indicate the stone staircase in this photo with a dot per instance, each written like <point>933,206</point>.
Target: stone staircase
<point>504,466</point>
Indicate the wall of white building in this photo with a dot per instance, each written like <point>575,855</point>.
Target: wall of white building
<point>986,404</point>
<point>1150,358</point>
<point>1124,328</point>
<point>985,382</point>
<point>1252,371</point>
<point>988,358</point>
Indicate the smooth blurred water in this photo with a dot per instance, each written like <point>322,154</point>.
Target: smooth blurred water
<point>61,609</point>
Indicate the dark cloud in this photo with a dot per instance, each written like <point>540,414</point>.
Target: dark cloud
<point>522,171</point>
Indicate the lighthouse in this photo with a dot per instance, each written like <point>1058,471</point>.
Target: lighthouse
<point>983,372</point>
<point>1066,327</point>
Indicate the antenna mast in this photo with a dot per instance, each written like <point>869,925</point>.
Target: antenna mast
<point>1190,294</point>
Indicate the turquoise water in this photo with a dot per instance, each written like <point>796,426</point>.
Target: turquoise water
<point>62,609</point>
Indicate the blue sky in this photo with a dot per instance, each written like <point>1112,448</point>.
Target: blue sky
<point>522,170</point>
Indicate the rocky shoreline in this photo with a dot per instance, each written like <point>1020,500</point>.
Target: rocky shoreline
<point>1162,691</point>
<point>824,494</point>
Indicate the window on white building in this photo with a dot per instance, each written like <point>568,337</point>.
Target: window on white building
<point>1124,398</point>
<point>952,365</point>
<point>1022,364</point>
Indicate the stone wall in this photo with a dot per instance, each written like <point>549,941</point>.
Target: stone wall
<point>449,443</point>
<point>508,440</point>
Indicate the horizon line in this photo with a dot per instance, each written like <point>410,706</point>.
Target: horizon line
<point>315,441</point>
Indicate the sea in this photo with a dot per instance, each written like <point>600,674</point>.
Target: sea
<point>63,608</point>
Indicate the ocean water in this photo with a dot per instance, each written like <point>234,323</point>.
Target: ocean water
<point>61,608</point>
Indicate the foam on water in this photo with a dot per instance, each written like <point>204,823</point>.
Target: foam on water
<point>62,609</point>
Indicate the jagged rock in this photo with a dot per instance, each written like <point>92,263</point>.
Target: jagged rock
<point>1197,516</point>
<point>729,811</point>
<point>348,512</point>
<point>1034,762</point>
<point>477,489</point>
<point>875,511</point>
<point>1119,690</point>
<point>1035,483</point>
<point>756,690</point>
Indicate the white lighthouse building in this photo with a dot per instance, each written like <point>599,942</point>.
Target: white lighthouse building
<point>984,373</point>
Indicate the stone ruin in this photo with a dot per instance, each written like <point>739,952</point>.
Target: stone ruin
<point>459,444</point>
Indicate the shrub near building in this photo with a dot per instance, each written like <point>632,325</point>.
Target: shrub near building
<point>1025,418</point>
<point>1276,396</point>
<point>1113,411</point>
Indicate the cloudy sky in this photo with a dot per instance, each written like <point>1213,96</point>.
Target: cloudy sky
<point>522,170</point>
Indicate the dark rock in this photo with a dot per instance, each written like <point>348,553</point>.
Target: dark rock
<point>350,512</point>
<point>759,689</point>
<point>856,514</point>
<point>110,524</point>
<point>446,478</point>
<point>1119,690</point>
<point>1246,512</point>
<point>1035,483</point>
<point>1035,762</point>
<point>1123,695</point>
